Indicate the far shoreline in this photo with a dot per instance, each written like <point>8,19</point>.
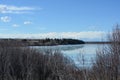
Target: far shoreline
<point>97,42</point>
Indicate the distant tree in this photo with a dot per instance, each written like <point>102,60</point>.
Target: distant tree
<point>24,40</point>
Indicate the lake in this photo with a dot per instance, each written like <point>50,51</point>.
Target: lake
<point>88,51</point>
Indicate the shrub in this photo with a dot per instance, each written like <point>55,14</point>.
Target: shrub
<point>24,63</point>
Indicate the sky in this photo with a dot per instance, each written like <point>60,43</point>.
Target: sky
<point>89,20</point>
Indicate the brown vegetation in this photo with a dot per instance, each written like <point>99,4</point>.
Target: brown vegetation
<point>23,63</point>
<point>107,64</point>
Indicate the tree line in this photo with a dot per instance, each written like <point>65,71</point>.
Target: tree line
<point>49,42</point>
<point>46,42</point>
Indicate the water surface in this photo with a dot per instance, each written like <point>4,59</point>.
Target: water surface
<point>77,53</point>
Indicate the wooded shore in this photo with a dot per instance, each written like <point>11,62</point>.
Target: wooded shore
<point>52,42</point>
<point>45,42</point>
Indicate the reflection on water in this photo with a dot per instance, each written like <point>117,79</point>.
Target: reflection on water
<point>74,51</point>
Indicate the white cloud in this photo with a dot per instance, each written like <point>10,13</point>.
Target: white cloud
<point>14,9</point>
<point>77,35</point>
<point>5,19</point>
<point>15,25</point>
<point>27,22</point>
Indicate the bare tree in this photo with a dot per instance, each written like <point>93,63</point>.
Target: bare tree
<point>22,63</point>
<point>107,64</point>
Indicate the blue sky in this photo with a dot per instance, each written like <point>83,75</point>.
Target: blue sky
<point>81,19</point>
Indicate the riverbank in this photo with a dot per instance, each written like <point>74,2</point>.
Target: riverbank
<point>52,42</point>
<point>45,42</point>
